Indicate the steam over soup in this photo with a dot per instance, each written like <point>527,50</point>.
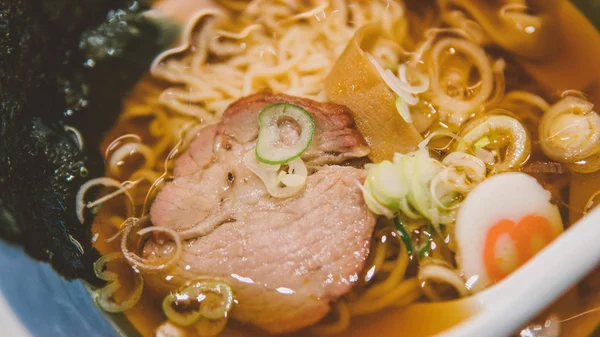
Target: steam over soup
<point>289,167</point>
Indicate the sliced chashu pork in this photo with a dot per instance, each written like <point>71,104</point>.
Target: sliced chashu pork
<point>285,259</point>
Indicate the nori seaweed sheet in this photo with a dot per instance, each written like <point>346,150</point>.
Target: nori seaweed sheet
<point>62,63</point>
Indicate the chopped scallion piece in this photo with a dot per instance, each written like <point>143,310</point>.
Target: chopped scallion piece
<point>402,108</point>
<point>483,142</point>
<point>207,299</point>
<point>404,235</point>
<point>424,250</point>
<point>270,149</point>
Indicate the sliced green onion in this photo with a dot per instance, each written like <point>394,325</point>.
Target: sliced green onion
<point>373,204</point>
<point>424,170</point>
<point>218,306</point>
<point>210,300</point>
<point>483,142</point>
<point>293,180</point>
<point>386,183</point>
<point>270,149</point>
<point>105,296</point>
<point>518,146</point>
<point>424,250</point>
<point>173,307</point>
<point>404,235</point>
<point>402,108</point>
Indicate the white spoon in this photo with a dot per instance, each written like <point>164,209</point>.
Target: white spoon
<point>510,304</point>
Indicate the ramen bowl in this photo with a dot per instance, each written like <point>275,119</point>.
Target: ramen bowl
<point>449,220</point>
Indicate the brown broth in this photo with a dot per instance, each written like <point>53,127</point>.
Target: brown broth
<point>574,66</point>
